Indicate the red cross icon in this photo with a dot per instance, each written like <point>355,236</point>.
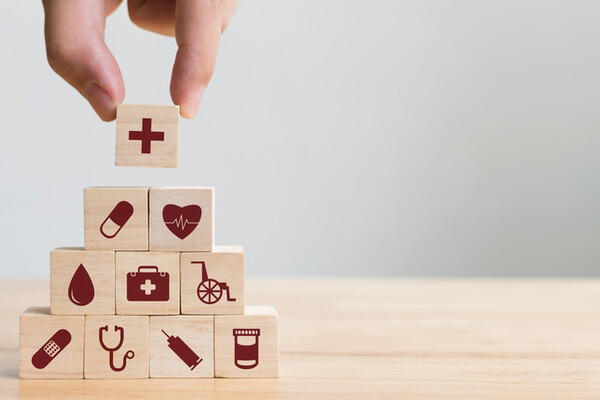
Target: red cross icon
<point>146,135</point>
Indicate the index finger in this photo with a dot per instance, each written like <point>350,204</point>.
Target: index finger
<point>197,30</point>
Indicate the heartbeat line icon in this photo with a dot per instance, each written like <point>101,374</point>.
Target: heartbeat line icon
<point>181,223</point>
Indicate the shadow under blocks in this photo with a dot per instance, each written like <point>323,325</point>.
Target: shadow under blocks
<point>148,296</point>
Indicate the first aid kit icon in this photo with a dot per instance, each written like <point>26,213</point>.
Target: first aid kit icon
<point>148,284</point>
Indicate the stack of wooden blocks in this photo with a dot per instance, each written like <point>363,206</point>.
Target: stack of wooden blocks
<point>149,295</point>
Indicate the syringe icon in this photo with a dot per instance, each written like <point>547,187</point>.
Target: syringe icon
<point>182,350</point>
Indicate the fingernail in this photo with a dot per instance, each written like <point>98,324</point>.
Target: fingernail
<point>100,101</point>
<point>189,109</point>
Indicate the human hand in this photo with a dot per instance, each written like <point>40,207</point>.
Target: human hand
<point>76,50</point>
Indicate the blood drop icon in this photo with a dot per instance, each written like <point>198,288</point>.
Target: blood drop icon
<point>81,288</point>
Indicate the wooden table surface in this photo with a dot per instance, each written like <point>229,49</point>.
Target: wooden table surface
<point>376,339</point>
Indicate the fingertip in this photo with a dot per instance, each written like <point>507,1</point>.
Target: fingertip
<point>190,108</point>
<point>186,114</point>
<point>187,100</point>
<point>101,102</point>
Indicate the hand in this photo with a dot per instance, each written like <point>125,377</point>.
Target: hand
<point>76,50</point>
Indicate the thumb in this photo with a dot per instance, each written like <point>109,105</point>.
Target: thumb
<point>76,51</point>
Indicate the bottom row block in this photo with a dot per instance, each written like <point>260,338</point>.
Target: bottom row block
<point>181,346</point>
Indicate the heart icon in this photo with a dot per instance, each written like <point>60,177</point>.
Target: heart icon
<point>182,221</point>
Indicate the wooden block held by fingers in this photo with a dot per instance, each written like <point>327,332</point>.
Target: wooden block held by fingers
<point>247,346</point>
<point>182,347</point>
<point>116,346</point>
<point>50,346</point>
<point>213,282</point>
<point>115,218</point>
<point>147,283</point>
<point>82,282</point>
<point>147,136</point>
<point>181,219</point>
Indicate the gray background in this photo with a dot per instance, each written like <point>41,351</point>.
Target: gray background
<point>413,138</point>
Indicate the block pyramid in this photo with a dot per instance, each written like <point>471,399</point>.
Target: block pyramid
<point>148,296</point>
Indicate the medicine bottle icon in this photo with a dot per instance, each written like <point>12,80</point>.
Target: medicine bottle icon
<point>246,348</point>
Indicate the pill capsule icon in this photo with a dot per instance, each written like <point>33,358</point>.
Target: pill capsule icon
<point>117,218</point>
<point>51,349</point>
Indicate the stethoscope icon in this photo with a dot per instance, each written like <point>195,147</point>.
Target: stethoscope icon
<point>129,355</point>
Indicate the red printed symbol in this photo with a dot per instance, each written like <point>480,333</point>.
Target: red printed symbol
<point>209,290</point>
<point>183,351</point>
<point>111,350</point>
<point>246,348</point>
<point>81,288</point>
<point>182,221</point>
<point>51,349</point>
<point>146,135</point>
<point>147,284</point>
<point>117,218</point>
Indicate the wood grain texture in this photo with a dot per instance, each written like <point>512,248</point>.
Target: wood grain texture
<point>196,332</point>
<point>201,237</point>
<point>380,338</point>
<point>135,338</point>
<point>162,153</point>
<point>224,265</point>
<point>99,202</point>
<point>37,326</point>
<point>100,266</point>
<point>129,262</point>
<point>257,329</point>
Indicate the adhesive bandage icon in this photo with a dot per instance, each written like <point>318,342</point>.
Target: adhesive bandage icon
<point>51,349</point>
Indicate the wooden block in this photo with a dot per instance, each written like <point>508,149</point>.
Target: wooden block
<point>147,136</point>
<point>50,346</point>
<point>82,282</point>
<point>182,347</point>
<point>129,359</point>
<point>115,218</point>
<point>147,283</point>
<point>247,346</point>
<point>181,219</point>
<point>213,282</point>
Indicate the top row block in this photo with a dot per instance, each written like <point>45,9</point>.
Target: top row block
<point>141,218</point>
<point>147,136</point>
